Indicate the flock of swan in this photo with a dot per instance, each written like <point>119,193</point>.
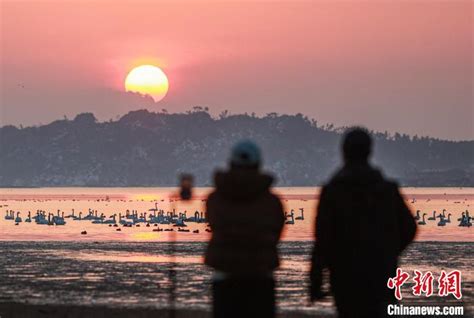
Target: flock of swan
<point>156,216</point>
<point>131,218</point>
<point>465,220</point>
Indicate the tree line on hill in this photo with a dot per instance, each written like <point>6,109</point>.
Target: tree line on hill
<point>143,148</point>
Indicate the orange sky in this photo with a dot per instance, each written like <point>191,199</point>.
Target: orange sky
<point>391,65</point>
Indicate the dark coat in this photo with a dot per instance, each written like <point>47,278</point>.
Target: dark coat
<point>362,226</point>
<point>246,221</point>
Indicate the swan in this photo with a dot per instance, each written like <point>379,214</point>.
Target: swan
<point>99,220</point>
<point>142,218</point>
<point>89,215</point>
<point>29,217</point>
<point>77,218</point>
<point>41,220</point>
<point>302,215</point>
<point>101,217</point>
<point>18,218</point>
<point>59,220</point>
<point>50,222</point>
<point>9,216</point>
<point>292,221</point>
<point>432,218</point>
<point>155,209</point>
<point>442,215</point>
<point>71,215</point>
<point>417,217</point>
<point>112,221</point>
<point>154,219</point>
<point>442,221</point>
<point>124,222</point>
<point>466,220</point>
<point>448,220</point>
<point>194,218</point>
<point>37,215</point>
<point>422,222</point>
<point>180,222</point>
<point>129,216</point>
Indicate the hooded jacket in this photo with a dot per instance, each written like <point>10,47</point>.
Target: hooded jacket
<point>246,221</point>
<point>362,227</point>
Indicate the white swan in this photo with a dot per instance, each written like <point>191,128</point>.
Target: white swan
<point>302,215</point>
<point>417,217</point>
<point>432,218</point>
<point>422,222</point>
<point>18,218</point>
<point>442,221</point>
<point>292,216</point>
<point>9,215</point>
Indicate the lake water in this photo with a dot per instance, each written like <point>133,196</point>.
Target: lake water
<point>57,264</point>
<point>118,200</point>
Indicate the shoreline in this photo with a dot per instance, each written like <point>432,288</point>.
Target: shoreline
<point>26,310</point>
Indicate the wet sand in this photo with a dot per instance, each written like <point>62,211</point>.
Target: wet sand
<point>121,276</point>
<point>17,310</point>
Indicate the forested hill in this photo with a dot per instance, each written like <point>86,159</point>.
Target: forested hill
<point>150,149</point>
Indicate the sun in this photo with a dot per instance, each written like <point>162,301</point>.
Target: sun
<point>147,80</point>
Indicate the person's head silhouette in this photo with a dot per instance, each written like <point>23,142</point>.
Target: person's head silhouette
<point>245,154</point>
<point>356,146</point>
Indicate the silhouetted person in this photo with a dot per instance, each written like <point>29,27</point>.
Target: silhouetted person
<point>362,226</point>
<point>246,221</point>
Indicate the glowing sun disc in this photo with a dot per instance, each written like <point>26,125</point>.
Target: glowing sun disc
<point>147,80</point>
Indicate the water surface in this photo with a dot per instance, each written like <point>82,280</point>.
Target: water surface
<point>118,200</point>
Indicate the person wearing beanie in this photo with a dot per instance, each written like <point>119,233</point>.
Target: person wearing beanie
<point>362,226</point>
<point>246,220</point>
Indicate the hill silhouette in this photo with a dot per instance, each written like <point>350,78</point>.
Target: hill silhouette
<point>149,149</point>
